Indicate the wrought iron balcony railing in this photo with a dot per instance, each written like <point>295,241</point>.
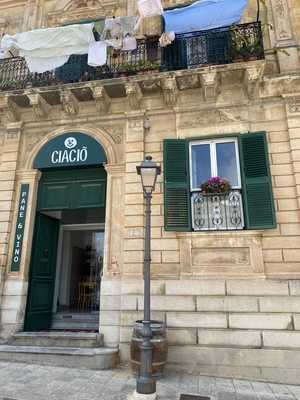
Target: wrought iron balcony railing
<point>213,47</point>
<point>223,211</point>
<point>218,46</point>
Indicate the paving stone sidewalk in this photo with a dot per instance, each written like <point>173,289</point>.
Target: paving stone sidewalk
<point>33,382</point>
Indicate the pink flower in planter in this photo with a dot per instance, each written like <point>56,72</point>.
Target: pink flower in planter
<point>215,185</point>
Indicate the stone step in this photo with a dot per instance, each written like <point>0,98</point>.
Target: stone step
<point>92,316</point>
<point>57,339</point>
<point>77,321</point>
<point>75,325</point>
<point>85,358</point>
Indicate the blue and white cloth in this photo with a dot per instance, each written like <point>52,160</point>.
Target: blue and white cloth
<point>204,15</point>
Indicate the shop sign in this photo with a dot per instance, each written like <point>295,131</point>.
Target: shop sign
<point>18,243</point>
<point>70,150</point>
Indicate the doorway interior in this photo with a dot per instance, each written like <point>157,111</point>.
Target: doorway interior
<point>78,274</point>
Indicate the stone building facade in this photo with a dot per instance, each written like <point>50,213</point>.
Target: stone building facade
<point>230,298</point>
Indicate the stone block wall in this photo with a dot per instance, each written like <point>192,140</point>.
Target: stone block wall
<point>228,328</point>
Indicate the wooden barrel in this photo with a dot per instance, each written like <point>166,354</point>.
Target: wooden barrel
<point>160,347</point>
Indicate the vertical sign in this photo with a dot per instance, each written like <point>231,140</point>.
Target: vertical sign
<point>17,251</point>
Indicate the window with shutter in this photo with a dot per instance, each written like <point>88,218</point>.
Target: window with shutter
<point>242,161</point>
<point>176,186</point>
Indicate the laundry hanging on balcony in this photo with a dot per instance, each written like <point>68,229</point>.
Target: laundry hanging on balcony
<point>129,43</point>
<point>47,49</point>
<point>148,8</point>
<point>204,15</point>
<point>97,55</point>
<point>118,29</point>
<point>166,39</point>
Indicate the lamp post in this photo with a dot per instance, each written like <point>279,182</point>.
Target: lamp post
<point>146,385</point>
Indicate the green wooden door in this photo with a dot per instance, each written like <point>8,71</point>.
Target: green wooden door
<point>42,274</point>
<point>72,189</point>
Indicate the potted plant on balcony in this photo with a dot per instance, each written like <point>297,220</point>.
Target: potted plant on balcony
<point>127,69</point>
<point>215,185</point>
<point>244,47</point>
<point>145,65</point>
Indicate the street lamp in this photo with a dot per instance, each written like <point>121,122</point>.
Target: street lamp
<point>145,384</point>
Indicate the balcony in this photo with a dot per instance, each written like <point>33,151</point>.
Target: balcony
<point>213,212</point>
<point>191,50</point>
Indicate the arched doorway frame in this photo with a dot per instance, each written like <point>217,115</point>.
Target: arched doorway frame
<point>105,140</point>
<point>115,176</point>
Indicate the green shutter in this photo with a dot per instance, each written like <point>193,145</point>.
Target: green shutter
<point>176,186</point>
<point>257,187</point>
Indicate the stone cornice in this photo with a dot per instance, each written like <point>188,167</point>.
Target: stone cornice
<point>168,85</point>
<point>115,169</point>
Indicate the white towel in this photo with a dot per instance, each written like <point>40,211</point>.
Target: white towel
<point>166,39</point>
<point>129,43</point>
<point>97,55</point>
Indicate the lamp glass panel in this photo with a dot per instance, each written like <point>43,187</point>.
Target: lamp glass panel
<point>148,178</point>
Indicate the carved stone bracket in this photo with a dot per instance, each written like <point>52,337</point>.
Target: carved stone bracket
<point>188,82</point>
<point>252,78</point>
<point>150,85</point>
<point>13,131</point>
<point>10,109</point>
<point>69,101</point>
<point>210,83</point>
<point>41,107</point>
<point>101,98</point>
<point>292,104</point>
<point>134,95</point>
<point>170,91</point>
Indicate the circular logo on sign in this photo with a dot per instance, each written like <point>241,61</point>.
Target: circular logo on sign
<point>70,142</point>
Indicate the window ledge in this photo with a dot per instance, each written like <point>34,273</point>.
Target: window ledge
<point>234,234</point>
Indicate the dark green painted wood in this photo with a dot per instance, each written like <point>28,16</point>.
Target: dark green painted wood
<point>257,184</point>
<point>55,196</point>
<point>68,174</point>
<point>20,225</point>
<point>72,189</point>
<point>88,194</point>
<point>42,274</point>
<point>177,215</point>
<point>73,149</point>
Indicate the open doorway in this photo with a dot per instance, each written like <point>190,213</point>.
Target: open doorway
<point>78,277</point>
